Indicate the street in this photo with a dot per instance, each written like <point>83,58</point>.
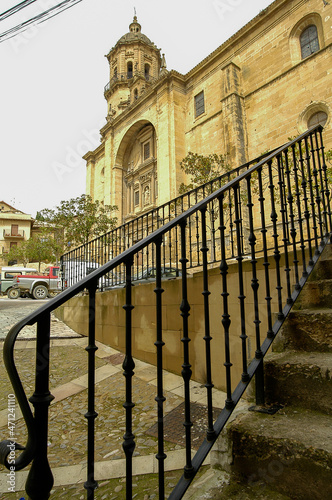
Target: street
<point>12,311</point>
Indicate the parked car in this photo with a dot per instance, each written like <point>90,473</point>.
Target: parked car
<point>8,274</point>
<point>151,273</point>
<point>39,286</point>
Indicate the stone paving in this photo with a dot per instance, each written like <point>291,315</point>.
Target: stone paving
<point>9,317</point>
<point>67,424</point>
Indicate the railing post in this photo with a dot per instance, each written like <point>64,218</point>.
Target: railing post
<point>327,188</point>
<point>186,366</point>
<point>241,296</point>
<point>160,398</point>
<point>210,433</point>
<point>91,484</point>
<point>259,375</point>
<point>40,479</point>
<point>226,321</point>
<point>128,371</point>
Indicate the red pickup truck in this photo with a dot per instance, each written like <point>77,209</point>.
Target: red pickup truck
<point>39,286</point>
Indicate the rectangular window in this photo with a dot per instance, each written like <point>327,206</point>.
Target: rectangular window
<point>146,151</point>
<point>14,230</point>
<point>136,198</point>
<point>199,104</point>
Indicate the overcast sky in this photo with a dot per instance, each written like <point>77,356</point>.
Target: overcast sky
<point>52,78</point>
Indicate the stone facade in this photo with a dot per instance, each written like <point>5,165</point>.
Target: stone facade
<point>268,82</point>
<point>15,228</point>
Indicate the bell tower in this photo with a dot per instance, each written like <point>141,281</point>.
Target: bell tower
<point>135,63</point>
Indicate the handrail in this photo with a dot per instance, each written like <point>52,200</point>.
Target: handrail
<point>313,208</point>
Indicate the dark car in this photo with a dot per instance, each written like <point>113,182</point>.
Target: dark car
<point>166,272</point>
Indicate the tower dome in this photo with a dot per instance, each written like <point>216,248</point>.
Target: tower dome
<point>135,34</point>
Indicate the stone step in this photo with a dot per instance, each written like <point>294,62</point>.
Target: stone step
<point>219,485</point>
<point>323,268</point>
<point>315,294</point>
<point>289,452</point>
<point>306,330</point>
<point>300,379</point>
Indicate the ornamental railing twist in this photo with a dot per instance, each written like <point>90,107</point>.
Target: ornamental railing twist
<point>282,214</point>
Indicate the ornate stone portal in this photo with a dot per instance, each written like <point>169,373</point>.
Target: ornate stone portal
<point>140,173</point>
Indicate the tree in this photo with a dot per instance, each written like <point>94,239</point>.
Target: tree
<point>19,253</point>
<point>78,220</point>
<point>202,169</point>
<point>40,250</point>
<point>37,249</point>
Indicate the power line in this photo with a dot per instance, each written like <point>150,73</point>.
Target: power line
<point>40,18</point>
<point>15,9</point>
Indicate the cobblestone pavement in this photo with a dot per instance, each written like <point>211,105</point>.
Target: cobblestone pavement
<point>67,424</point>
<point>12,311</point>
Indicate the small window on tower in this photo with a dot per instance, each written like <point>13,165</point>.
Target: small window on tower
<point>199,104</point>
<point>136,198</point>
<point>135,94</point>
<point>115,73</point>
<point>146,151</point>
<point>130,70</point>
<point>147,71</point>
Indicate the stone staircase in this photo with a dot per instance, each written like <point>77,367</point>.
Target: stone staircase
<point>286,455</point>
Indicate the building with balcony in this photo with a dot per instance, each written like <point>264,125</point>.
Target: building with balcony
<point>266,83</point>
<point>15,227</point>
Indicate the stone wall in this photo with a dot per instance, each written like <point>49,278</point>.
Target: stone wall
<point>110,320</point>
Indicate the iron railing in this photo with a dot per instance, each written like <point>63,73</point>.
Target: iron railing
<point>128,75</point>
<point>79,262</point>
<point>287,191</point>
<point>8,233</point>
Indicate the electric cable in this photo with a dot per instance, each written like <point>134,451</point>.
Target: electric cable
<point>15,9</point>
<point>42,17</point>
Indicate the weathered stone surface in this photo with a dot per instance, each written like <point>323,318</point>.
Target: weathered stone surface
<point>308,330</point>
<point>300,379</point>
<point>290,452</point>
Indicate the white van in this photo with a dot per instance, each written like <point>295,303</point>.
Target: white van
<point>6,279</point>
<point>73,271</point>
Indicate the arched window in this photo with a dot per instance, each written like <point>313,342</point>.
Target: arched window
<point>309,41</point>
<point>129,69</point>
<point>147,71</point>
<point>319,118</point>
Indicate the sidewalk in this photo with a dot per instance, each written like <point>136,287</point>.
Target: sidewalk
<point>67,424</point>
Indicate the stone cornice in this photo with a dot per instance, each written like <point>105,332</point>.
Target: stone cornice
<point>91,155</point>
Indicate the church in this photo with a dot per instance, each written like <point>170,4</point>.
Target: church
<point>268,82</point>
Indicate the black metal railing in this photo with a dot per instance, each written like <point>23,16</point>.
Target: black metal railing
<point>127,76</point>
<point>282,213</point>
<point>79,262</point>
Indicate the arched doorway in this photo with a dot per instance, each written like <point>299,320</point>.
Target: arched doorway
<point>137,158</point>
